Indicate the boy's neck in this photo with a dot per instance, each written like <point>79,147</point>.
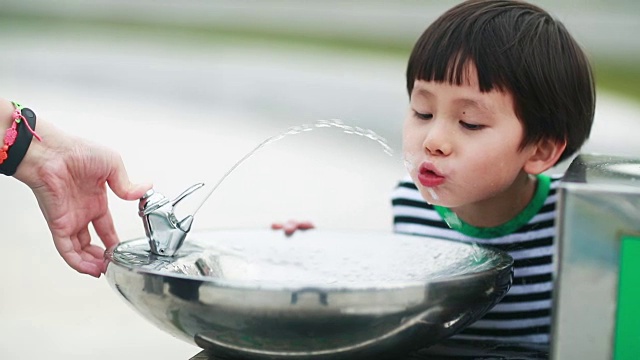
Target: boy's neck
<point>501,208</point>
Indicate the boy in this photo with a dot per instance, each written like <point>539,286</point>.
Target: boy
<point>499,93</point>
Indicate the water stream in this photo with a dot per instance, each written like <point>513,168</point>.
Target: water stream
<point>319,124</point>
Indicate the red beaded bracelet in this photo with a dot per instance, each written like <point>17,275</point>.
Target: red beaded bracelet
<point>12,132</point>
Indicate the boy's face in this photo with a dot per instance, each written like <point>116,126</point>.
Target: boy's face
<point>461,146</point>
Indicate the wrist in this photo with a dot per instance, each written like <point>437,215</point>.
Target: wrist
<point>40,154</point>
<point>17,139</point>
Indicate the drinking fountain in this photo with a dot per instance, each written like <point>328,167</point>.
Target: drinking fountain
<point>321,294</point>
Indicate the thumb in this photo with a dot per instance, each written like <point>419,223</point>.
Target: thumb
<point>120,184</point>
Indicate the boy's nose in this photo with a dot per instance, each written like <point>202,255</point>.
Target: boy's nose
<point>437,142</point>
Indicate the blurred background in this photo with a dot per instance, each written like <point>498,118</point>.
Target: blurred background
<point>185,88</point>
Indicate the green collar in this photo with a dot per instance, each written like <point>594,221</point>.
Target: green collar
<point>507,228</point>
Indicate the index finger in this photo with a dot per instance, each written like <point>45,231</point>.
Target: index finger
<point>119,182</point>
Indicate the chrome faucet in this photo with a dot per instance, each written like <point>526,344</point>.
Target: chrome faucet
<point>164,231</point>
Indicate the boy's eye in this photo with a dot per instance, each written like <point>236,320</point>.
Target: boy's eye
<point>426,116</point>
<point>471,126</point>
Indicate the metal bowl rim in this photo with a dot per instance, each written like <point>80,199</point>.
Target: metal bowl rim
<point>503,262</point>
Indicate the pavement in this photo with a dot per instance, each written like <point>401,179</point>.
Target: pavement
<point>179,114</point>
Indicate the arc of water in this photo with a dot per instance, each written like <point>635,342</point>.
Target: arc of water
<point>330,123</point>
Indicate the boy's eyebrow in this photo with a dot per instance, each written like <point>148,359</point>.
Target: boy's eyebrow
<point>467,102</point>
<point>475,103</point>
<point>424,92</point>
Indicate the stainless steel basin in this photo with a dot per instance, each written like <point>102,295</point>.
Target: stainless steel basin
<point>257,294</point>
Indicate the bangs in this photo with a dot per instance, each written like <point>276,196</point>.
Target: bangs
<point>491,38</point>
<point>459,68</point>
<point>449,57</point>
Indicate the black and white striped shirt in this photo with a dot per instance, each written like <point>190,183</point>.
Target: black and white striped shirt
<point>524,314</point>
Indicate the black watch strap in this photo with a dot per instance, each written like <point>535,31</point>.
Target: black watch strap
<point>18,150</point>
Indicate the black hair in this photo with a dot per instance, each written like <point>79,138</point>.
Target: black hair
<point>517,48</point>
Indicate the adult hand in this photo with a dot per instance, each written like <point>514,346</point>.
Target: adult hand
<point>291,226</point>
<point>68,176</point>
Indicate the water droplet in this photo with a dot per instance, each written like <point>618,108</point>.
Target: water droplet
<point>453,220</point>
<point>407,160</point>
<point>476,252</point>
<point>434,196</point>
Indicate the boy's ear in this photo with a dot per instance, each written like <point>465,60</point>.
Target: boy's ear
<point>545,154</point>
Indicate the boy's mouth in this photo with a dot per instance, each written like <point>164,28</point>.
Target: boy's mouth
<point>429,176</point>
